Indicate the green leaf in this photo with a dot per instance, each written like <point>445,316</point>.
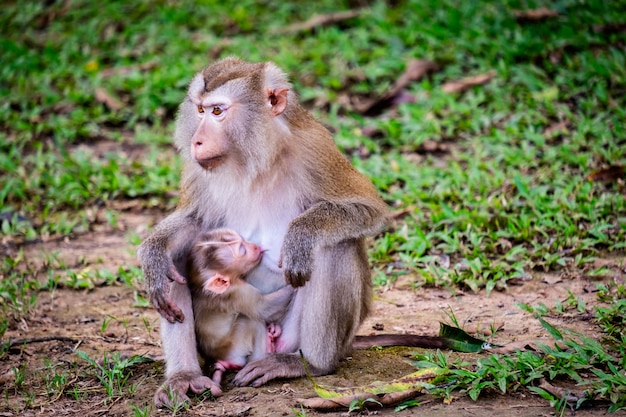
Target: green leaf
<point>554,332</point>
<point>457,339</point>
<point>542,393</point>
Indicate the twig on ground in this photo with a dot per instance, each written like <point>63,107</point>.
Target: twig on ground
<point>320,20</point>
<point>27,341</point>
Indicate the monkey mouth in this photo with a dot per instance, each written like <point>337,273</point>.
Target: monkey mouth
<point>210,163</point>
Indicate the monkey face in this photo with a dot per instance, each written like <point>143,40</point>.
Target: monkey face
<point>230,108</point>
<point>226,251</point>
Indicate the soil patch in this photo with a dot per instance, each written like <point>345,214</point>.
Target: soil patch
<point>107,321</point>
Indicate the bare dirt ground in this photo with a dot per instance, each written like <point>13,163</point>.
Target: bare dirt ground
<point>79,315</point>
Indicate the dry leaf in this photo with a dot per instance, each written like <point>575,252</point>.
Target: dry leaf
<point>402,213</point>
<point>219,47</point>
<point>551,279</point>
<point>415,70</point>
<point>7,377</point>
<point>610,174</point>
<point>319,20</point>
<point>559,392</point>
<point>466,83</point>
<point>556,129</point>
<point>534,15</point>
<point>432,146</point>
<point>610,28</point>
<point>372,132</point>
<point>108,99</point>
<point>385,400</point>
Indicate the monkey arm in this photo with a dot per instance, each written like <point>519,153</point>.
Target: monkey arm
<point>326,223</point>
<point>249,301</point>
<point>171,239</point>
<point>275,304</point>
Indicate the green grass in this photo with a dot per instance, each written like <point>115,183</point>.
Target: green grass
<point>574,357</point>
<point>508,195</point>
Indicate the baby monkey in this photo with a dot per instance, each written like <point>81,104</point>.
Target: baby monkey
<point>234,321</point>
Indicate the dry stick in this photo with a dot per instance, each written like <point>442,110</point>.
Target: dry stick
<point>466,83</point>
<point>320,20</point>
<point>108,408</point>
<point>386,400</point>
<point>534,15</point>
<point>570,397</point>
<point>415,70</point>
<point>40,339</point>
<point>108,99</point>
<point>61,392</point>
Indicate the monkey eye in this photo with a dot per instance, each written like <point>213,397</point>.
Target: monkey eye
<point>200,109</point>
<point>217,111</point>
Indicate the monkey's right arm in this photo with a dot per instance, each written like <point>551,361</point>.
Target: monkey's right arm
<point>250,302</point>
<point>171,239</point>
<point>275,304</point>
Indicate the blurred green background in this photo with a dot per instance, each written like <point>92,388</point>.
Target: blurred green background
<point>522,173</point>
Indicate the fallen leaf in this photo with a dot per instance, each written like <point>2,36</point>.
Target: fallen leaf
<point>609,174</point>
<point>432,146</point>
<point>384,393</point>
<point>7,377</point>
<point>569,396</point>
<point>385,400</point>
<point>551,279</point>
<point>610,28</point>
<point>534,15</point>
<point>319,20</point>
<point>400,214</point>
<point>556,129</point>
<point>466,83</point>
<point>460,341</point>
<point>415,70</point>
<point>112,102</point>
<point>219,47</point>
<point>590,288</point>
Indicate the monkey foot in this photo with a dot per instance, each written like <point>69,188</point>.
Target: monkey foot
<point>174,390</point>
<point>280,365</point>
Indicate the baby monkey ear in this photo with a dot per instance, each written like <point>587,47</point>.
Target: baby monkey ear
<point>277,100</point>
<point>217,284</point>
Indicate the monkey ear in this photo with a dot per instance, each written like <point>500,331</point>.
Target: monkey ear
<point>217,284</point>
<point>277,99</point>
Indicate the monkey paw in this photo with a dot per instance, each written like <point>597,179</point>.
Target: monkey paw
<point>174,390</point>
<point>297,270</point>
<point>279,365</point>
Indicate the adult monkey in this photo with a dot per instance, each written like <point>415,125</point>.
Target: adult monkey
<point>257,162</point>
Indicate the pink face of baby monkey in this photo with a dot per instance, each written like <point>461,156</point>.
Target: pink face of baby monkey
<point>237,257</point>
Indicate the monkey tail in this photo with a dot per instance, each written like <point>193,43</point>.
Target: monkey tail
<point>409,340</point>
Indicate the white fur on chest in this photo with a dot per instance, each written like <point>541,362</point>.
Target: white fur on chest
<point>261,214</point>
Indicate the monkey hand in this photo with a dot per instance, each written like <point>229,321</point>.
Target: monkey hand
<point>160,295</point>
<point>296,259</point>
<point>174,390</point>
